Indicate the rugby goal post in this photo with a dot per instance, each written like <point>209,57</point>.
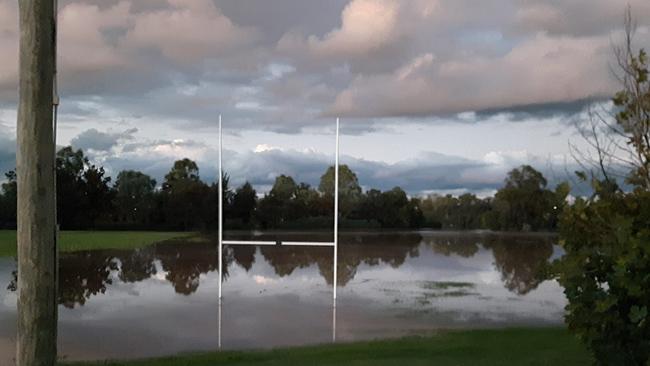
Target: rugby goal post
<point>333,244</point>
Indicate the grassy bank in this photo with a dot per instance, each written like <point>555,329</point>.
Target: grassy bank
<point>71,241</point>
<point>543,346</point>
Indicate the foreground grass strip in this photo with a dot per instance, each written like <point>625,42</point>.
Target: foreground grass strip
<point>71,241</point>
<point>542,346</point>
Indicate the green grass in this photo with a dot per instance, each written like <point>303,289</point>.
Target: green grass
<point>71,241</point>
<point>542,346</point>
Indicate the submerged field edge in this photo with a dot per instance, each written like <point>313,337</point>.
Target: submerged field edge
<point>507,346</point>
<point>70,241</point>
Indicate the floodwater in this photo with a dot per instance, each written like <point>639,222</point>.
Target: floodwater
<point>163,299</point>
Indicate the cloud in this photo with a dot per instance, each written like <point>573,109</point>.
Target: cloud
<point>188,31</point>
<point>567,110</point>
<point>540,70</point>
<point>284,65</point>
<point>8,49</point>
<point>83,46</point>
<point>577,17</point>
<point>7,144</point>
<point>379,35</point>
<point>427,172</point>
<point>93,139</point>
<point>433,58</point>
<point>116,47</point>
<point>7,155</point>
<point>367,25</point>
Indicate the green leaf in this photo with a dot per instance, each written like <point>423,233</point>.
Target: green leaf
<point>604,305</point>
<point>581,175</point>
<point>638,314</point>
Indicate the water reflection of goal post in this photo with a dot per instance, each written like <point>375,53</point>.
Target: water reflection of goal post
<point>333,244</point>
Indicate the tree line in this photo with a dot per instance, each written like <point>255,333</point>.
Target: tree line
<point>89,199</point>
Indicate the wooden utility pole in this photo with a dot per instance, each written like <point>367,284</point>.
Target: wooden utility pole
<point>37,319</point>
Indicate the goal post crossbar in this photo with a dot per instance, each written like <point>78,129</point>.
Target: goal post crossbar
<point>279,242</point>
<point>333,244</point>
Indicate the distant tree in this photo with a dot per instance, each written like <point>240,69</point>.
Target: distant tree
<point>524,203</point>
<point>84,195</point>
<point>414,214</point>
<point>244,203</point>
<point>393,209</point>
<point>185,195</point>
<point>349,188</point>
<point>284,188</point>
<point>275,207</point>
<point>370,205</point>
<point>307,203</point>
<point>71,161</point>
<point>470,211</point>
<point>228,194</point>
<point>268,212</point>
<point>134,196</point>
<point>212,202</point>
<point>8,199</point>
<point>436,210</point>
<point>462,213</point>
<point>184,170</point>
<point>70,166</point>
<point>97,196</point>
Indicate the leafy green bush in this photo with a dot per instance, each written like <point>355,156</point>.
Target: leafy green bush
<point>606,274</point>
<point>606,269</point>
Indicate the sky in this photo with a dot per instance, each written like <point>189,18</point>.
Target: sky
<point>434,96</point>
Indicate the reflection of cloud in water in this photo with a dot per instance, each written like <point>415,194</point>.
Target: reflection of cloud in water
<point>261,280</point>
<point>153,292</point>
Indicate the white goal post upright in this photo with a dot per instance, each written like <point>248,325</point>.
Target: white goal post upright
<point>333,243</point>
<point>220,209</point>
<point>336,210</point>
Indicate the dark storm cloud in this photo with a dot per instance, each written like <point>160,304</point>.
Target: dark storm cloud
<point>93,139</point>
<point>543,111</point>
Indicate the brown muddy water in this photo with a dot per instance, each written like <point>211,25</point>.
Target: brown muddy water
<point>163,299</point>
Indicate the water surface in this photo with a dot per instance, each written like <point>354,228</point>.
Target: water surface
<point>163,299</point>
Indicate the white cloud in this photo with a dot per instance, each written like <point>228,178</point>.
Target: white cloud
<point>367,25</point>
<point>426,172</point>
<point>82,44</point>
<point>540,70</point>
<point>188,31</point>
<point>115,47</point>
<point>264,147</point>
<point>502,157</point>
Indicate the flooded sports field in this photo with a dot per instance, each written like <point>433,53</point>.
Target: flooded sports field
<point>163,299</point>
